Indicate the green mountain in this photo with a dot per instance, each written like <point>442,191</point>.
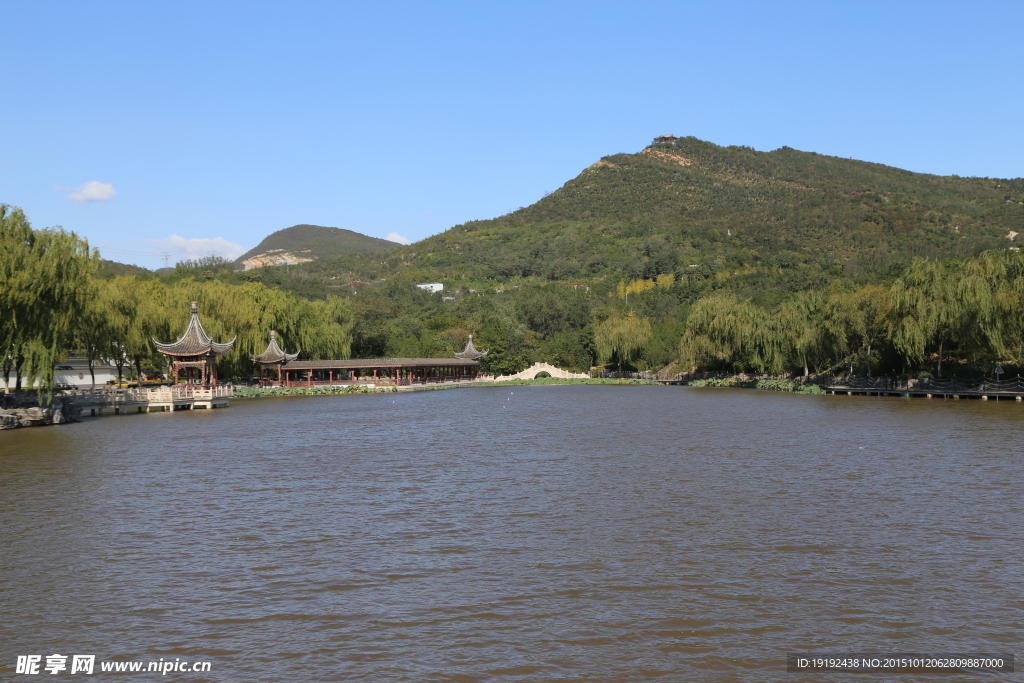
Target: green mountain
<point>702,211</point>
<point>304,243</point>
<point>110,269</point>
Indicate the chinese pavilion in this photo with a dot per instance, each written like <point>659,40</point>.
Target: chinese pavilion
<point>195,352</point>
<point>273,356</point>
<point>470,352</point>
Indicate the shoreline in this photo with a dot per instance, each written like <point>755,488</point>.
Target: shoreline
<point>246,393</point>
<point>65,412</point>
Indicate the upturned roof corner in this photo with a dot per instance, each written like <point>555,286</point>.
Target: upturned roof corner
<point>195,341</point>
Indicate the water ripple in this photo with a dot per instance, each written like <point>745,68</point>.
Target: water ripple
<point>553,534</point>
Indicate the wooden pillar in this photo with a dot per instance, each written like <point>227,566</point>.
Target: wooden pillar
<point>309,378</point>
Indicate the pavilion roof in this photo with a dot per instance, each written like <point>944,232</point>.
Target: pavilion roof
<point>195,341</point>
<point>274,354</point>
<point>470,352</point>
<point>353,363</point>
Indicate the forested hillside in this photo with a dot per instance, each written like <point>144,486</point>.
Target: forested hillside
<point>692,208</point>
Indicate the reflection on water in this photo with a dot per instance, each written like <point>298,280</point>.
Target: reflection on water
<point>553,534</point>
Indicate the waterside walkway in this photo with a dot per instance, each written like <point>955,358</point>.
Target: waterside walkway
<point>118,401</point>
<point>930,388</point>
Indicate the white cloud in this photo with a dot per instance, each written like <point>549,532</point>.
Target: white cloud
<point>395,237</point>
<point>197,247</point>
<point>93,191</point>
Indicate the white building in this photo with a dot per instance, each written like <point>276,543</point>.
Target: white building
<point>74,372</point>
<point>432,287</point>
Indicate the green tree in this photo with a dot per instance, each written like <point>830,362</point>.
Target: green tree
<point>991,286</point>
<point>799,320</point>
<point>859,319</point>
<point>926,309</point>
<point>44,287</point>
<point>622,338</point>
<point>725,329</point>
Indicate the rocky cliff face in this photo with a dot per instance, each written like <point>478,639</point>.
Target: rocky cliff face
<point>276,258</point>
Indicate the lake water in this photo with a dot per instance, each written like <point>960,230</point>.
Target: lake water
<point>557,533</point>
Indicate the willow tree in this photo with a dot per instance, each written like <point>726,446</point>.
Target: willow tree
<point>622,337</point>
<point>118,305</point>
<point>16,240</point>
<point>44,287</point>
<point>991,287</point>
<point>926,309</point>
<point>726,329</point>
<point>799,320</point>
<point>94,333</point>
<point>325,328</point>
<point>860,319</point>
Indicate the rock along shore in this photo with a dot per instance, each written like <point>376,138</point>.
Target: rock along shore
<point>58,412</point>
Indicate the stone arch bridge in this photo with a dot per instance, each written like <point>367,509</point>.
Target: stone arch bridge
<point>537,368</point>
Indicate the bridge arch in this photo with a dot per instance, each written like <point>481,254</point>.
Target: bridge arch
<point>537,368</point>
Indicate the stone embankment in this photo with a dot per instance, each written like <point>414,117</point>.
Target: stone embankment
<point>58,412</point>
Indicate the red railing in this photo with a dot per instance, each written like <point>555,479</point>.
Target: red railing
<point>379,381</point>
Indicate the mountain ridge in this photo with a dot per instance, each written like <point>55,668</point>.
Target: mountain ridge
<point>685,203</point>
<point>306,242</point>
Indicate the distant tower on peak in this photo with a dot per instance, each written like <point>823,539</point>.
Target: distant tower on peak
<point>665,138</point>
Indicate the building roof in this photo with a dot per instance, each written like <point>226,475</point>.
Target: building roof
<point>470,352</point>
<point>359,363</point>
<point>274,354</point>
<point>195,341</point>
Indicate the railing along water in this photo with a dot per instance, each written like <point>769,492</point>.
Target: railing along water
<point>178,396</point>
<point>929,386</point>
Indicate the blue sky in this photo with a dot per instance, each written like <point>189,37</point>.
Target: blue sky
<point>187,127</point>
